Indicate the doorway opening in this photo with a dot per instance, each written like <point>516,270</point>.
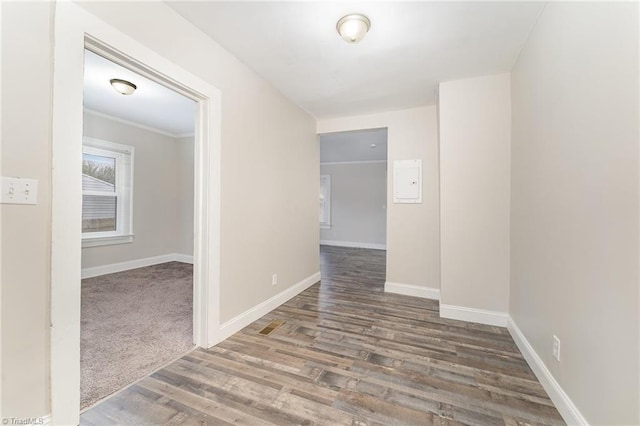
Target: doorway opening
<point>75,31</point>
<point>137,228</point>
<point>353,189</point>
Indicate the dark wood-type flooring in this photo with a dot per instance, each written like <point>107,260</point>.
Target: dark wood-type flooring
<point>347,354</point>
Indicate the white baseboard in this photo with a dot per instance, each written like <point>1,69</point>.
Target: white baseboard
<point>561,400</point>
<point>353,244</point>
<point>96,271</point>
<point>480,316</point>
<point>244,319</point>
<point>412,290</point>
<point>184,258</point>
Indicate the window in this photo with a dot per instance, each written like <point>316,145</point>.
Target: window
<point>325,201</point>
<point>107,189</point>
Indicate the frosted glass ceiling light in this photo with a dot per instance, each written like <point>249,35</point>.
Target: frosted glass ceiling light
<point>123,86</point>
<point>353,28</point>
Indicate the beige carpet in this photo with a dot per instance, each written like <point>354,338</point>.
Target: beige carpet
<point>132,323</point>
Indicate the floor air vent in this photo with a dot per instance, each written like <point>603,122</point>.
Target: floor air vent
<point>272,326</point>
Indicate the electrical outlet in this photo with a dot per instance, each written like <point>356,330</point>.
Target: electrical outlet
<point>556,348</point>
<point>274,279</point>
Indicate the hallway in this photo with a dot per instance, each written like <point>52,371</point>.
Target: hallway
<point>347,353</point>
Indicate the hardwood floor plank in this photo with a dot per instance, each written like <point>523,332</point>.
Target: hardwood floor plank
<point>217,408</point>
<point>386,412</point>
<point>304,382</point>
<point>216,400</point>
<point>347,354</point>
<point>131,407</point>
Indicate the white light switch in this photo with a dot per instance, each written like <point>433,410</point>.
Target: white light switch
<point>19,191</point>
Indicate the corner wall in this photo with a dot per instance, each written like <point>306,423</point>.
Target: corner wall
<point>185,229</point>
<point>413,230</point>
<point>475,138</point>
<point>575,203</point>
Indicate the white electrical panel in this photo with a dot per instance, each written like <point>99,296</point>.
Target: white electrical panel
<point>19,191</point>
<point>407,181</point>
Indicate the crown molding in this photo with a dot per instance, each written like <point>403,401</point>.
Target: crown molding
<point>134,124</point>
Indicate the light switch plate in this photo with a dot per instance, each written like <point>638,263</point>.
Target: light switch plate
<point>19,191</point>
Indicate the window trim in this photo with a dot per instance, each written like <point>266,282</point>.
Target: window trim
<point>327,202</point>
<point>124,156</point>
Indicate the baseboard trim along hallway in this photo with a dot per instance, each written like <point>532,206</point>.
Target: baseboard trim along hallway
<point>412,290</point>
<point>561,400</point>
<point>239,322</point>
<point>353,244</point>
<point>479,316</point>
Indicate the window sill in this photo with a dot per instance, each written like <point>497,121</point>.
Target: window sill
<point>325,226</point>
<point>107,241</point>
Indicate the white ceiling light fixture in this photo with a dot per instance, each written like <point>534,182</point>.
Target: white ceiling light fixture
<point>123,86</point>
<point>352,28</point>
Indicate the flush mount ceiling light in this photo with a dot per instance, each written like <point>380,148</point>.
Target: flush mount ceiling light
<point>123,86</point>
<point>352,28</point>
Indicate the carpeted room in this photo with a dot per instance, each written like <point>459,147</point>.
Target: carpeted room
<point>133,322</point>
<point>137,219</point>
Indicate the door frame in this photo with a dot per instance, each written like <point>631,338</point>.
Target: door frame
<point>74,30</point>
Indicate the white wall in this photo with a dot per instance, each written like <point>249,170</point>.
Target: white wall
<point>358,204</point>
<point>412,229</point>
<point>475,126</point>
<point>185,230</point>
<point>26,230</point>
<point>162,193</point>
<point>270,168</point>
<point>574,212</point>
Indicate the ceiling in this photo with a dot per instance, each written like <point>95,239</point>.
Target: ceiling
<point>152,105</point>
<point>343,147</point>
<point>411,47</point>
